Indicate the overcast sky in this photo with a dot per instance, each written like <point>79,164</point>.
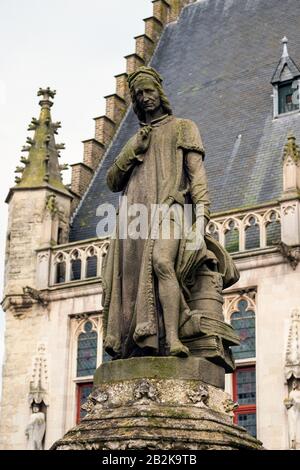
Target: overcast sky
<point>75,47</point>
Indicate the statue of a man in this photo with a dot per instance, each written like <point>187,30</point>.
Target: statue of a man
<point>143,276</point>
<point>36,428</point>
<point>292,404</point>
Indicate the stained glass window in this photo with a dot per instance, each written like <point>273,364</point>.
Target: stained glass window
<point>244,392</point>
<point>87,351</point>
<point>83,391</point>
<point>243,322</point>
<point>246,387</point>
<point>247,421</point>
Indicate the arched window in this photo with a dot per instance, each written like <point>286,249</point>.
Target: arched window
<point>252,234</point>
<point>75,266</point>
<point>60,272</point>
<point>60,236</point>
<point>87,351</point>
<point>232,237</point>
<point>212,229</point>
<point>273,229</point>
<point>91,263</point>
<point>243,321</point>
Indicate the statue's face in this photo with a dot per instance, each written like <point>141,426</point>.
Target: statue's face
<point>147,95</point>
<point>35,409</point>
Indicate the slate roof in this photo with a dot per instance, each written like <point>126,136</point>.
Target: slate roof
<point>217,61</point>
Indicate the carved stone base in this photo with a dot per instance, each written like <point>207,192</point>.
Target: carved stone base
<point>169,407</point>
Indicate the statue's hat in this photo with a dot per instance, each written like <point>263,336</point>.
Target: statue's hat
<point>147,72</point>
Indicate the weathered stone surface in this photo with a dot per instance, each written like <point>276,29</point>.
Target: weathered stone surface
<point>155,412</point>
<point>192,368</point>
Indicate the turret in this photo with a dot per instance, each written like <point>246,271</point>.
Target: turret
<point>39,203</point>
<point>290,200</point>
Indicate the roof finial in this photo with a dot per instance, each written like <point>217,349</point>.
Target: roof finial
<point>285,52</point>
<point>46,93</point>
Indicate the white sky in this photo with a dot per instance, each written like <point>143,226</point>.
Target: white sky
<point>75,47</point>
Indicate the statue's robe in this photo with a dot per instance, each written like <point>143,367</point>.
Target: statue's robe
<point>35,431</point>
<point>162,175</point>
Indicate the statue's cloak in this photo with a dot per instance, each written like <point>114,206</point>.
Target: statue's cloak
<point>131,312</point>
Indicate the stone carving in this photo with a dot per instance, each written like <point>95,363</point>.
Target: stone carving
<point>291,150</point>
<point>162,296</point>
<point>36,295</point>
<point>292,359</point>
<point>144,390</point>
<point>42,257</point>
<point>199,397</point>
<point>96,398</point>
<point>292,254</point>
<point>231,301</point>
<point>51,204</point>
<point>292,376</point>
<point>290,209</point>
<point>35,430</point>
<point>168,409</point>
<point>38,388</point>
<point>229,406</point>
<point>19,305</point>
<point>161,313</point>
<point>292,404</point>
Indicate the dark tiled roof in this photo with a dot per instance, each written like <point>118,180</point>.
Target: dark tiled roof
<point>217,62</point>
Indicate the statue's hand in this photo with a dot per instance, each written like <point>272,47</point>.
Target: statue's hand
<point>143,140</point>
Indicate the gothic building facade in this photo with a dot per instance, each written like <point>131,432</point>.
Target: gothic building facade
<point>225,66</point>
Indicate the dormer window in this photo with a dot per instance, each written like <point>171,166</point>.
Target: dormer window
<point>288,97</point>
<point>285,83</point>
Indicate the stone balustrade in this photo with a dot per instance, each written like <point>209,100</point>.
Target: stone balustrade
<point>247,230</point>
<point>238,232</point>
<point>71,262</point>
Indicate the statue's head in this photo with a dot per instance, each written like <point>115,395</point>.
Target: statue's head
<point>295,385</point>
<point>147,93</point>
<point>35,408</point>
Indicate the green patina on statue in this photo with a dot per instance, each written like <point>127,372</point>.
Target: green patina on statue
<point>161,298</point>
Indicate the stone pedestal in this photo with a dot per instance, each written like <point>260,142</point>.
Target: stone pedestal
<point>158,403</point>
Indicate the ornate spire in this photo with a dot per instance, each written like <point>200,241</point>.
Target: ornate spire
<point>292,361</point>
<point>291,149</point>
<point>285,52</point>
<point>41,166</point>
<point>38,387</point>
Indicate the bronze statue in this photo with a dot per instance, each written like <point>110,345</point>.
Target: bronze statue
<point>161,298</point>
